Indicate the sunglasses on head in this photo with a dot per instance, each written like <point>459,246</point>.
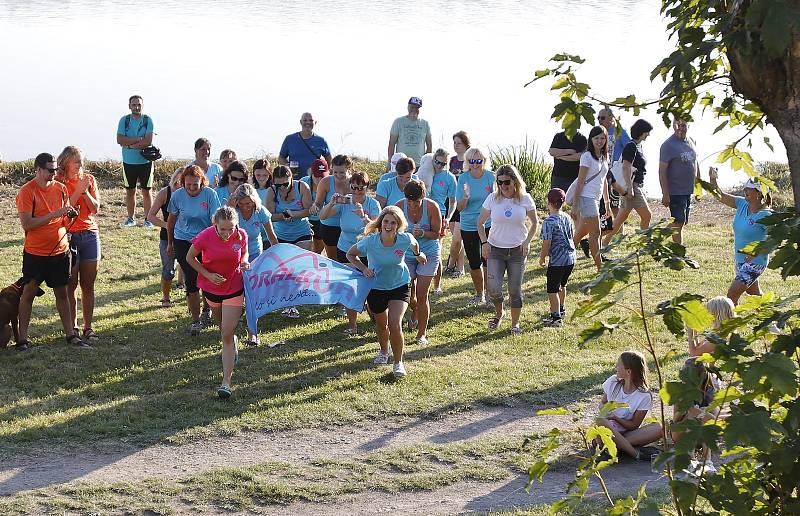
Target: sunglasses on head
<point>358,187</point>
<point>440,163</point>
<point>475,161</point>
<point>504,182</point>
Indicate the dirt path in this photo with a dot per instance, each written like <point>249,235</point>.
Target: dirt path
<point>52,467</point>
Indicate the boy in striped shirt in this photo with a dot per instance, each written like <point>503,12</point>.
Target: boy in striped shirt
<point>557,234</point>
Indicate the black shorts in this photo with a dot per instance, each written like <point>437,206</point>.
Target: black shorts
<point>315,229</point>
<point>217,298</point>
<point>378,300</point>
<point>330,234</point>
<point>296,241</point>
<point>53,270</point>
<point>472,248</point>
<point>180,248</point>
<point>456,216</point>
<point>143,174</point>
<point>341,257</point>
<point>561,182</point>
<point>606,224</point>
<point>557,276</point>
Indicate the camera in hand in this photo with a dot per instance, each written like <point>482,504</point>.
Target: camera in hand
<point>344,199</point>
<point>72,213</point>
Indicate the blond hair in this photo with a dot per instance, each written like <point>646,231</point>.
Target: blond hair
<point>520,188</point>
<point>247,191</point>
<point>721,308</point>
<point>375,225</point>
<point>225,213</point>
<point>69,153</point>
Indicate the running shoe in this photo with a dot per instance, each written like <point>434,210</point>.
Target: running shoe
<point>291,312</point>
<point>381,358</point>
<point>489,304</point>
<point>422,341</point>
<point>456,274</point>
<point>476,300</point>
<point>224,392</point>
<point>129,223</point>
<point>438,291</point>
<point>553,322</point>
<point>195,328</point>
<point>399,370</point>
<point>516,330</point>
<point>205,317</point>
<point>148,225</point>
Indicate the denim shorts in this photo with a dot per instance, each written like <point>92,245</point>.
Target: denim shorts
<point>747,273</point>
<point>422,269</point>
<point>679,206</point>
<point>589,206</point>
<point>84,246</point>
<point>167,262</point>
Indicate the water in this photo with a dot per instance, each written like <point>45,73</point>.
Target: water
<point>241,72</point>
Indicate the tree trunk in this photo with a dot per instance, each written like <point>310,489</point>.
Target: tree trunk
<point>773,83</point>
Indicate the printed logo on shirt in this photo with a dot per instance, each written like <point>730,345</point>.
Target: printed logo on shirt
<point>508,213</point>
<point>204,205</point>
<point>398,252</point>
<point>487,188</point>
<point>236,247</point>
<point>440,183</point>
<point>688,156</point>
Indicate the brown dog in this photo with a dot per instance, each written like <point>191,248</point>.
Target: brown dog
<point>9,310</point>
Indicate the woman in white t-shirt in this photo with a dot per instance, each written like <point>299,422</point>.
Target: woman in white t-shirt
<point>510,208</point>
<point>629,386</point>
<point>589,188</point>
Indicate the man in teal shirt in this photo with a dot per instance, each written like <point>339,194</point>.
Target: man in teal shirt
<point>134,133</point>
<point>410,134</point>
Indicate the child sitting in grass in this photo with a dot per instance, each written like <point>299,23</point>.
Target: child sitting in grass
<point>722,309</point>
<point>557,233</point>
<point>629,386</point>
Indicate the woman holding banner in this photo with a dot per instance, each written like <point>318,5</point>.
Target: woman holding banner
<point>223,248</point>
<point>385,243</point>
<point>354,214</point>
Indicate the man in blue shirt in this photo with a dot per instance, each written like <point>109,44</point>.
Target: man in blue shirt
<point>299,150</point>
<point>134,133</point>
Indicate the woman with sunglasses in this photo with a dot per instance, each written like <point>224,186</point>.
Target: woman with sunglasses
<point>426,223</point>
<point>202,151</point>
<point>288,200</point>
<point>474,186</point>
<point>190,210</point>
<point>317,173</point>
<point>262,178</point>
<point>385,243</point>
<point>590,186</point>
<point>455,260</point>
<point>337,183</point>
<point>354,214</point>
<point>160,203</point>
<point>506,248</point>
<point>223,251</point>
<point>235,174</point>
<point>443,193</point>
<point>389,191</point>
<point>84,237</point>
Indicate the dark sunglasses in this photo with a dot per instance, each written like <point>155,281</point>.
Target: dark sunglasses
<point>358,187</point>
<point>440,163</point>
<point>504,182</point>
<point>51,170</point>
<point>475,161</point>
<point>235,178</point>
<point>601,118</point>
<point>280,185</point>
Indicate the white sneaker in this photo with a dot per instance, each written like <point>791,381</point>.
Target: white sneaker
<point>399,370</point>
<point>422,341</point>
<point>381,358</point>
<point>438,291</point>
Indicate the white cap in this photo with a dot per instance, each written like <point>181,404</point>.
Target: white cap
<point>397,156</point>
<point>752,184</point>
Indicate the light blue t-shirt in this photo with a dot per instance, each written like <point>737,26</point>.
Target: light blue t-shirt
<point>223,194</point>
<point>746,229</point>
<point>479,189</point>
<point>443,187</point>
<point>293,229</point>
<point>333,220</point>
<point>295,148</point>
<point>254,226</point>
<point>390,191</point>
<point>352,225</point>
<point>426,245</point>
<point>193,213</point>
<point>135,129</point>
<point>262,194</point>
<point>558,229</point>
<point>214,172</point>
<point>617,145</point>
<point>308,180</point>
<point>388,262</point>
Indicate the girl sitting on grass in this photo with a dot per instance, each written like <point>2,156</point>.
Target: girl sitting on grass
<point>629,386</point>
<point>722,309</point>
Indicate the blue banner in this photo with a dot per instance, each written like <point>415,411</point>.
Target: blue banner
<point>286,275</point>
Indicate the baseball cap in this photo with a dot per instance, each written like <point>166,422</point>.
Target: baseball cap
<point>556,196</point>
<point>416,101</point>
<point>754,185</point>
<point>397,156</point>
<point>319,167</point>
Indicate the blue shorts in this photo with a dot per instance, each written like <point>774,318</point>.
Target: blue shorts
<point>84,246</point>
<point>422,269</point>
<point>167,262</point>
<point>747,273</point>
<point>589,206</point>
<point>679,208</point>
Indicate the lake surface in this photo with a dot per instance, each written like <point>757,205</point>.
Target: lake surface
<point>241,72</point>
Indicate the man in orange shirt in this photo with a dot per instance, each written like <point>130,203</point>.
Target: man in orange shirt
<point>44,211</point>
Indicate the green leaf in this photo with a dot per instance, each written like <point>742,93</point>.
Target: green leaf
<point>595,331</point>
<point>560,83</point>
<point>537,470</point>
<point>695,315</point>
<point>610,407</point>
<point>553,412</point>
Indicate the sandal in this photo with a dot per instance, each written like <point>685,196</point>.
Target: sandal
<point>90,336</point>
<point>166,303</point>
<point>74,340</point>
<point>224,392</point>
<point>494,322</point>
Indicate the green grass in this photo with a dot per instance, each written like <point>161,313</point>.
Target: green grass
<point>147,381</point>
<point>535,167</point>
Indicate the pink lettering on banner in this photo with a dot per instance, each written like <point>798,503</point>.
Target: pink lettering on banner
<point>316,277</point>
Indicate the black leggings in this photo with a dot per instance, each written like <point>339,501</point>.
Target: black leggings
<point>472,248</point>
<point>180,248</point>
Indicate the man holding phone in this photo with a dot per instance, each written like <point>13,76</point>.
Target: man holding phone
<point>45,213</point>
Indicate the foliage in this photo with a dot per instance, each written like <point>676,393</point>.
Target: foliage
<point>761,434</point>
<point>706,33</point>
<point>534,166</point>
